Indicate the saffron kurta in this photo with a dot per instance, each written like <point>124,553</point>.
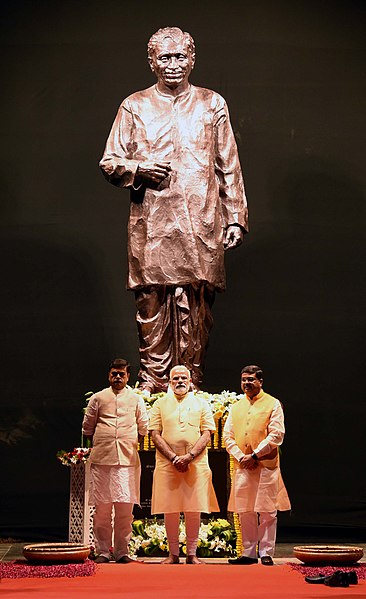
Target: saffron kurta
<point>256,425</point>
<point>180,423</point>
<point>114,421</point>
<point>176,228</point>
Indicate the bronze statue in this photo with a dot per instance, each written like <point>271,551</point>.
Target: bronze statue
<point>173,146</point>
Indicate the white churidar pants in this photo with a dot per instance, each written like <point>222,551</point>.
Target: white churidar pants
<point>193,521</point>
<point>258,528</point>
<point>121,531</point>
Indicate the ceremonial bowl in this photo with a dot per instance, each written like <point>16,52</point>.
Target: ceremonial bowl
<point>56,552</point>
<point>328,554</point>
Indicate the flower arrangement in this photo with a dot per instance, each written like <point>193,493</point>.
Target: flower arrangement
<point>77,456</point>
<point>217,538</point>
<point>219,402</point>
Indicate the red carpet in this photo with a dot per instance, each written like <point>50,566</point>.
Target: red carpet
<point>155,581</point>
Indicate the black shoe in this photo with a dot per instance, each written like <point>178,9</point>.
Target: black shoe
<point>243,560</point>
<point>338,579</point>
<point>101,560</point>
<point>316,579</point>
<point>321,578</point>
<point>352,577</point>
<point>267,560</point>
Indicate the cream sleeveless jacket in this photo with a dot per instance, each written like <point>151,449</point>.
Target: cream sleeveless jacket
<point>250,421</point>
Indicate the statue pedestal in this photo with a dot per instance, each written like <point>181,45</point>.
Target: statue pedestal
<point>80,513</point>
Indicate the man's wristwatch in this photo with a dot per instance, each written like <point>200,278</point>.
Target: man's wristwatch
<point>192,455</point>
<point>254,456</point>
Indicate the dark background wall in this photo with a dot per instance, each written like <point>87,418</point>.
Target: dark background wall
<point>293,76</point>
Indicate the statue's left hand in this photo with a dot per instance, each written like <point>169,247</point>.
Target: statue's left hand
<point>234,237</point>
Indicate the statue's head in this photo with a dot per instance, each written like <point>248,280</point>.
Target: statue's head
<point>171,55</point>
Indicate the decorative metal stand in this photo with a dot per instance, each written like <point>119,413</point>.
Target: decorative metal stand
<point>80,513</point>
<point>235,520</point>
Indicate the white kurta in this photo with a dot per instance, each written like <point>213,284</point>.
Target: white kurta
<point>115,477</point>
<point>114,484</point>
<point>262,489</point>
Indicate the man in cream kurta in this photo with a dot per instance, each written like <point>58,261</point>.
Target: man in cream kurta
<point>114,419</point>
<point>253,432</point>
<point>181,424</point>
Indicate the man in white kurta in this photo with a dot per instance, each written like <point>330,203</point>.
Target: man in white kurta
<point>181,425</point>
<point>252,434</point>
<point>114,419</point>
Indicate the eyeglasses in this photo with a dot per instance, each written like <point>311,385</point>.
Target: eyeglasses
<point>249,379</point>
<point>115,374</point>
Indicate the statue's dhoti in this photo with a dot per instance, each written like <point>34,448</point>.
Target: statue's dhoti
<point>174,324</point>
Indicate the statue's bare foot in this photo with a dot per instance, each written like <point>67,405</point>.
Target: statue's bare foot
<point>193,559</point>
<point>144,386</point>
<point>172,559</point>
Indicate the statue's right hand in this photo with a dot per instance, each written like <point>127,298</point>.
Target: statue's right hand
<point>153,171</point>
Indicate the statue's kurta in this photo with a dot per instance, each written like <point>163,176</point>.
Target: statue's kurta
<point>176,228</point>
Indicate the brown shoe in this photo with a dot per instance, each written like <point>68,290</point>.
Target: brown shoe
<point>101,560</point>
<point>172,559</point>
<point>125,559</point>
<point>193,559</point>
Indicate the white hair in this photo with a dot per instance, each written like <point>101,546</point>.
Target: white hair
<point>180,366</point>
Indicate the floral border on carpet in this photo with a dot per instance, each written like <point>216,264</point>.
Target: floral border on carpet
<point>22,569</point>
<point>308,570</point>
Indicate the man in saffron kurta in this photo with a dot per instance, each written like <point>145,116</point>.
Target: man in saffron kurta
<point>114,419</point>
<point>173,146</point>
<point>181,424</point>
<point>252,434</point>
